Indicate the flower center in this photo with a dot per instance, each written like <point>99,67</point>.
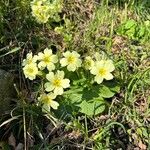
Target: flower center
<point>102,72</point>
<point>57,82</point>
<point>46,100</point>
<point>30,70</point>
<point>46,59</point>
<point>88,63</point>
<point>71,59</point>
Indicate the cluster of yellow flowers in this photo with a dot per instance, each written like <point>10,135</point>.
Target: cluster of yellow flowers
<point>42,10</point>
<point>56,82</point>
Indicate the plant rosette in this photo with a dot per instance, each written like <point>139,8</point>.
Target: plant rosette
<point>71,84</point>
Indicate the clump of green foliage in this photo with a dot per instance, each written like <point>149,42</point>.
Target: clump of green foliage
<point>134,30</point>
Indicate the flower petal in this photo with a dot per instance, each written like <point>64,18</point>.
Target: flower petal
<point>94,70</point>
<point>45,108</point>
<point>54,58</point>
<point>98,79</point>
<point>75,54</point>
<point>41,65</point>
<point>65,83</point>
<point>54,104</point>
<point>60,74</point>
<point>66,54</point>
<point>109,65</point>
<point>108,76</point>
<point>63,62</point>
<point>78,63</point>
<point>51,95</point>
<point>58,91</point>
<point>40,56</point>
<point>48,86</point>
<point>71,67</point>
<point>50,76</point>
<point>50,66</point>
<point>48,51</point>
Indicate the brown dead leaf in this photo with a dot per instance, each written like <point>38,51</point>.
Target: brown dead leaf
<point>74,134</point>
<point>119,44</point>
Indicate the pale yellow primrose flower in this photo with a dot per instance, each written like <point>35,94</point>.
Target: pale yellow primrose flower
<point>47,59</point>
<point>30,71</point>
<point>98,56</point>
<point>56,83</point>
<point>40,10</point>
<point>41,15</point>
<point>88,63</point>
<point>29,59</point>
<point>102,70</point>
<point>71,60</point>
<point>47,101</point>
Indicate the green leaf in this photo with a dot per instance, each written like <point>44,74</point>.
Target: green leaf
<point>106,92</point>
<point>86,108</point>
<point>141,31</point>
<point>90,101</point>
<point>91,108</point>
<point>89,94</point>
<point>130,24</point>
<point>113,86</point>
<point>100,106</point>
<point>74,94</point>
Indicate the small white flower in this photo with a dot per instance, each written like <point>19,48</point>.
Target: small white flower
<point>47,101</point>
<point>30,71</point>
<point>29,59</point>
<point>47,59</point>
<point>56,83</point>
<point>102,70</point>
<point>71,60</point>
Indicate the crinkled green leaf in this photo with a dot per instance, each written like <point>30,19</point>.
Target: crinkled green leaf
<point>74,94</point>
<point>130,24</point>
<point>100,106</point>
<point>106,92</point>
<point>90,101</point>
<point>91,108</point>
<point>89,94</point>
<point>113,86</point>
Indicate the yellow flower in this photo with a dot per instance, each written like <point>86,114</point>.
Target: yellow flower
<point>71,60</point>
<point>42,17</point>
<point>29,59</point>
<point>36,3</point>
<point>30,71</point>
<point>56,83</point>
<point>47,101</point>
<point>102,70</point>
<point>88,63</point>
<point>40,10</point>
<point>98,56</point>
<point>47,59</point>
